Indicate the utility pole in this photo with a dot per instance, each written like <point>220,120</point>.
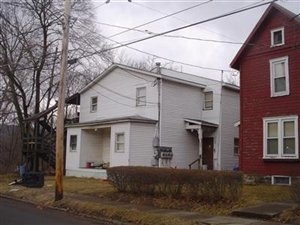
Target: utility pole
<point>61,105</point>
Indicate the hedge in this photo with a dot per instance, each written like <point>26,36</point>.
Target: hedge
<point>200,185</point>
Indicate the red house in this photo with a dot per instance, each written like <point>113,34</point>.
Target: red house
<point>269,65</point>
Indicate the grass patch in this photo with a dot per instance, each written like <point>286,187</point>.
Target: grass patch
<point>98,198</point>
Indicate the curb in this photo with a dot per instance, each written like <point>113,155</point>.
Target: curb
<point>105,220</point>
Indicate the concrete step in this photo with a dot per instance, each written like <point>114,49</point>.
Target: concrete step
<point>264,211</point>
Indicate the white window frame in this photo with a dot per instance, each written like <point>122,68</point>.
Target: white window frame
<point>272,36</point>
<point>73,144</point>
<point>141,98</point>
<point>118,143</point>
<point>280,135</point>
<point>93,105</point>
<point>273,62</point>
<point>211,101</point>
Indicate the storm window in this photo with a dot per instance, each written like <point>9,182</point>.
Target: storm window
<point>208,100</point>
<point>120,142</point>
<point>141,96</point>
<point>279,74</point>
<point>73,142</point>
<point>277,37</point>
<point>94,103</point>
<point>281,137</point>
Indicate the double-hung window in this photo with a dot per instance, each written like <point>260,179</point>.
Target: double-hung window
<point>236,146</point>
<point>120,142</point>
<point>73,142</point>
<point>277,37</point>
<point>94,104</point>
<point>281,138</point>
<point>208,100</point>
<point>141,96</point>
<point>279,75</point>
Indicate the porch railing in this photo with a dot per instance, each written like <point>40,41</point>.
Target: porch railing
<point>195,161</point>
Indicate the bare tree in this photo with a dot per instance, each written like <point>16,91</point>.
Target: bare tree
<point>146,63</point>
<point>30,39</point>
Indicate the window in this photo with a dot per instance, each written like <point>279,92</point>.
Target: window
<point>120,142</point>
<point>208,100</point>
<point>141,96</point>
<point>236,146</point>
<point>281,137</point>
<point>279,77</point>
<point>277,37</point>
<point>73,142</point>
<point>94,103</point>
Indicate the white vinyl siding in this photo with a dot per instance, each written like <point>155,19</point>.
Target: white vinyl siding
<point>279,73</point>
<point>118,97</point>
<point>229,113</point>
<point>277,37</point>
<point>281,137</point>
<point>177,105</point>
<point>141,144</point>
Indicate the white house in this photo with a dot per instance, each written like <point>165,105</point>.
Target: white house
<point>165,118</point>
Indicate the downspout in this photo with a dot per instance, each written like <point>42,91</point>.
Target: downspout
<point>220,125</point>
<point>200,137</point>
<point>159,108</point>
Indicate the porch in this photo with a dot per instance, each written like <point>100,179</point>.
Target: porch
<point>206,136</point>
<point>87,172</point>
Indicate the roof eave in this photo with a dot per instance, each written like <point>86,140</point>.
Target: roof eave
<point>235,64</point>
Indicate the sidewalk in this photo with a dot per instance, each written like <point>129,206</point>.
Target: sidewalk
<point>266,211</point>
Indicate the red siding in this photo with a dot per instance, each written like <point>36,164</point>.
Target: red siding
<point>256,101</point>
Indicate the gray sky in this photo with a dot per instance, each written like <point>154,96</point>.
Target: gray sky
<point>235,28</point>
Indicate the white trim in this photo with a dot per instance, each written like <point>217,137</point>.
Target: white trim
<point>273,180</point>
<point>92,105</point>
<point>207,101</point>
<point>117,150</point>
<point>272,37</point>
<point>75,144</point>
<point>286,75</point>
<point>140,96</point>
<point>280,135</point>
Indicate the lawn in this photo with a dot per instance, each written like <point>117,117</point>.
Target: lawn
<point>98,197</point>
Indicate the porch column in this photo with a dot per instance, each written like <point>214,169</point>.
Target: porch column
<point>200,136</point>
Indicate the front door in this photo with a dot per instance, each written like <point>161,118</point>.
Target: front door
<point>208,152</point>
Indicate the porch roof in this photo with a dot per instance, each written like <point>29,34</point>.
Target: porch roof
<point>191,122</point>
<point>135,119</point>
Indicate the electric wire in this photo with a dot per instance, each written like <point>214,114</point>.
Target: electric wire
<point>176,29</point>
<point>161,18</point>
<point>187,26</point>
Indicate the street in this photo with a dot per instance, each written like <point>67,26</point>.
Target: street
<point>19,213</point>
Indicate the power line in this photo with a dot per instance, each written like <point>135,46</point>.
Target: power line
<point>158,19</point>
<point>174,36</point>
<point>184,27</point>
<point>190,25</point>
<point>163,13</point>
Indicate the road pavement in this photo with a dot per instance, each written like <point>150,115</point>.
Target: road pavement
<point>19,213</point>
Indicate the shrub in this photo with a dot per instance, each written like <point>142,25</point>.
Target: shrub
<point>208,186</point>
<point>295,190</point>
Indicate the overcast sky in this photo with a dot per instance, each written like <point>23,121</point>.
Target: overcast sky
<point>235,28</point>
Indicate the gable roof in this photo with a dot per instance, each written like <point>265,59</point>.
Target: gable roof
<point>273,6</point>
<point>183,79</point>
